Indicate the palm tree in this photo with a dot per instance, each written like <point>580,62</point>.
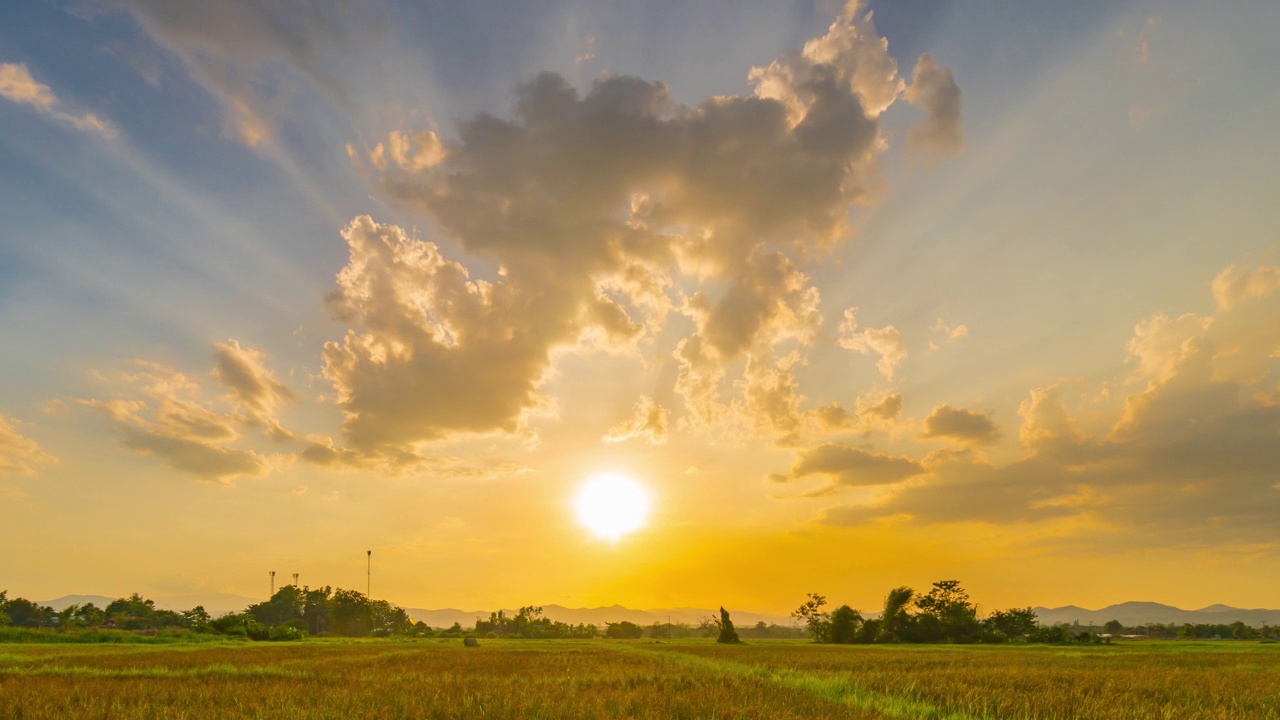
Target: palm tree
<point>895,612</point>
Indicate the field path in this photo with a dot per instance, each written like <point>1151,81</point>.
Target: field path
<point>824,685</point>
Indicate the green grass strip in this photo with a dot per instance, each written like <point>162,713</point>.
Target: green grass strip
<point>835,689</point>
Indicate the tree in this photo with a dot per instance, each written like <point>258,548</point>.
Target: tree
<point>287,604</point>
<point>351,613</point>
<point>131,613</point>
<point>315,609</point>
<point>1113,627</point>
<point>956,617</point>
<point>4,616</point>
<point>811,612</point>
<point>727,633</point>
<point>1013,624</point>
<point>894,620</point>
<point>24,613</point>
<point>196,617</point>
<point>623,630</point>
<point>845,624</point>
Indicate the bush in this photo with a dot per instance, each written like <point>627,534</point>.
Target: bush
<point>623,630</point>
<point>256,630</point>
<point>285,634</point>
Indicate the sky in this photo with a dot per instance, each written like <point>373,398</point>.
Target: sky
<point>859,296</point>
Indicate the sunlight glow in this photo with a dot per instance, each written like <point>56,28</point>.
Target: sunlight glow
<point>612,505</point>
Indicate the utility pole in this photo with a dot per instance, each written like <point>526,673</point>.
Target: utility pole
<point>368,576</point>
<point>273,583</point>
<point>295,579</point>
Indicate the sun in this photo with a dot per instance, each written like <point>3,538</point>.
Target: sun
<point>612,505</point>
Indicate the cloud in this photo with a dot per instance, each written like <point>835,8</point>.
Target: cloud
<point>873,411</point>
<point>1189,459</point>
<point>1160,343</point>
<point>852,52</point>
<point>885,342</point>
<point>241,371</point>
<point>885,410</point>
<point>950,332</point>
<point>237,50</point>
<point>165,414</point>
<point>833,416</point>
<point>605,211</point>
<point>17,85</point>
<point>967,491</point>
<point>437,352</point>
<point>1048,429</point>
<point>19,455</point>
<point>851,467</point>
<point>649,420</point>
<point>933,89</point>
<point>323,452</point>
<point>205,460</point>
<point>1237,285</point>
<point>962,425</point>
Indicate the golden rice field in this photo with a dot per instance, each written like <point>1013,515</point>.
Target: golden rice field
<point>639,679</point>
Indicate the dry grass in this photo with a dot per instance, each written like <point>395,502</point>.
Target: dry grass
<point>606,679</point>
<point>1135,681</point>
<point>563,679</point>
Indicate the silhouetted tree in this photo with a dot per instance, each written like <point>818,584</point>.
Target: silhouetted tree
<point>623,630</point>
<point>811,612</point>
<point>1012,624</point>
<point>24,613</point>
<point>286,605</point>
<point>895,620</point>
<point>197,617</point>
<point>727,633</point>
<point>947,614</point>
<point>845,623</point>
<point>1113,627</point>
<point>315,609</point>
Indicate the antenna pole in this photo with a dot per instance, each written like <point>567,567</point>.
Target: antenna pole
<point>273,583</point>
<point>368,576</point>
<point>295,579</point>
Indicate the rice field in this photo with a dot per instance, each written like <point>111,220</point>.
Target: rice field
<point>639,679</point>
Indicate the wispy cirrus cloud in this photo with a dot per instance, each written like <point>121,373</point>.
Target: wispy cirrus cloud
<point>18,86</point>
<point>20,455</point>
<point>163,413</point>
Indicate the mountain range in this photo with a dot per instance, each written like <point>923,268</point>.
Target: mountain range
<point>599,615</point>
<point>1128,613</point>
<point>1142,613</point>
<point>214,603</point>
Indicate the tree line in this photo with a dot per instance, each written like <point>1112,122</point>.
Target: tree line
<point>944,614</point>
<point>290,614</point>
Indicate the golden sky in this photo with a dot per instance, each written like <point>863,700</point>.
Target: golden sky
<point>1000,306</point>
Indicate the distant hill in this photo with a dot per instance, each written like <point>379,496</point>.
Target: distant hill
<point>1142,613</point>
<point>598,615</point>
<point>66,601</point>
<point>214,603</point>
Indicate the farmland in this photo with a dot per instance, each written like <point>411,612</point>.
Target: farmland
<point>619,679</point>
